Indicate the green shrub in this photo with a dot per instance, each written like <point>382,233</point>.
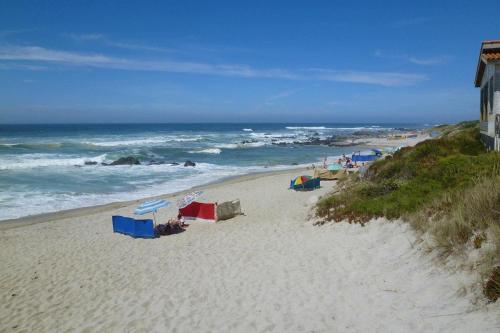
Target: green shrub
<point>413,177</point>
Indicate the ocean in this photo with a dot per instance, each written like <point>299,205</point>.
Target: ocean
<point>47,168</point>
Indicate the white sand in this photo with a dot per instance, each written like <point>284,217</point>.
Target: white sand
<point>268,271</point>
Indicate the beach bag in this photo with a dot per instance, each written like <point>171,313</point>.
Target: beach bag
<point>228,210</point>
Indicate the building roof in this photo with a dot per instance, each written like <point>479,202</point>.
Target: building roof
<point>492,56</point>
<point>490,51</point>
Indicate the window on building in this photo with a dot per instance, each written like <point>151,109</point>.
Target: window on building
<point>490,96</point>
<point>481,103</point>
<point>484,103</point>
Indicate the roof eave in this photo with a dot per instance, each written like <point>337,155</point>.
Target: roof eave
<point>481,63</point>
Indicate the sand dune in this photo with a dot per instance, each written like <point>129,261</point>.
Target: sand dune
<point>268,271</point>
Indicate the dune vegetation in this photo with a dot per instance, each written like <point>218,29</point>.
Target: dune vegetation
<point>447,188</point>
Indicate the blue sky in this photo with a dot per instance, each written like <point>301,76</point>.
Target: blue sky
<point>235,61</point>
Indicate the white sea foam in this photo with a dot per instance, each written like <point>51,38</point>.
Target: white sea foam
<point>19,204</point>
<point>357,128</point>
<point>259,135</point>
<point>29,161</point>
<point>207,151</point>
<point>247,130</point>
<point>243,145</point>
<point>144,142</point>
<point>308,127</point>
<point>368,128</point>
<point>254,144</point>
<point>137,142</point>
<point>228,146</point>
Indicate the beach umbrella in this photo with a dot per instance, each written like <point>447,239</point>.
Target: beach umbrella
<point>188,199</point>
<point>301,180</point>
<point>151,207</point>
<point>304,183</point>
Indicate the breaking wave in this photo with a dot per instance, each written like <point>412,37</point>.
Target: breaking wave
<point>308,127</point>
<point>30,161</point>
<point>206,151</point>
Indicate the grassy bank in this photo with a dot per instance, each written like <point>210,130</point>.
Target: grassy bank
<point>448,187</point>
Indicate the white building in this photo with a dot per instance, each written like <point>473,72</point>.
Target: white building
<point>488,79</point>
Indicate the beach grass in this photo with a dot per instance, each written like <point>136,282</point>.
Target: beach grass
<point>413,177</point>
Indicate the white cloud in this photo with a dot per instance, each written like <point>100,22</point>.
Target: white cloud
<point>430,61</point>
<point>132,46</point>
<point>39,54</point>
<point>283,94</point>
<point>103,39</point>
<point>84,37</point>
<point>16,66</point>
<point>378,78</point>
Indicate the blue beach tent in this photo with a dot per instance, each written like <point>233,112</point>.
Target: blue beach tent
<point>366,156</point>
<point>139,228</point>
<point>132,227</point>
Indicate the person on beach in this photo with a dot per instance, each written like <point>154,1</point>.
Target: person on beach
<point>181,219</point>
<point>173,226</point>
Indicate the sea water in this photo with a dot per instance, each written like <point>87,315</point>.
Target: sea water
<point>45,168</point>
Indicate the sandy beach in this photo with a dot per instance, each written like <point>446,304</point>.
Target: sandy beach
<point>270,270</point>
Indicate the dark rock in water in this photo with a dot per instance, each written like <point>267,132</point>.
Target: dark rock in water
<point>295,163</point>
<point>129,160</point>
<point>90,163</point>
<point>174,163</point>
<point>363,133</point>
<point>189,163</point>
<point>343,144</point>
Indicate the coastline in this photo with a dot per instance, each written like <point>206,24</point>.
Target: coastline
<point>363,143</point>
<point>95,209</point>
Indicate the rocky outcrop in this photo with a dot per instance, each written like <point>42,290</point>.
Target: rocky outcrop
<point>189,163</point>
<point>129,160</point>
